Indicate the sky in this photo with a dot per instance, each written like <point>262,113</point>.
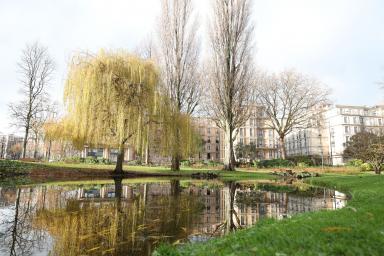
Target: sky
<point>340,42</point>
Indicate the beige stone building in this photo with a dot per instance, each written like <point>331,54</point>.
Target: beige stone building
<point>255,131</point>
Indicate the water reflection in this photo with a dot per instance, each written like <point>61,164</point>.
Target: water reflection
<point>131,219</point>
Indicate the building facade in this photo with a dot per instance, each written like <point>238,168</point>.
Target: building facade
<point>329,138</point>
<point>255,132</point>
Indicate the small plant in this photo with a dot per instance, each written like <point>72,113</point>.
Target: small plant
<point>185,163</point>
<point>366,167</point>
<point>302,165</point>
<point>355,163</point>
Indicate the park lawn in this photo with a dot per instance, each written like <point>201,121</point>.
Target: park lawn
<point>98,169</point>
<point>357,229</point>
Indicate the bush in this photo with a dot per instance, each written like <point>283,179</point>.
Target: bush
<point>13,167</point>
<point>275,163</point>
<point>74,160</point>
<point>185,163</point>
<point>308,160</point>
<point>355,163</point>
<point>302,165</point>
<point>366,167</point>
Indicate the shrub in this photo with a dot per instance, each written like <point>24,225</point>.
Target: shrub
<point>308,160</point>
<point>185,163</point>
<point>91,160</point>
<point>275,163</point>
<point>302,165</point>
<point>212,163</point>
<point>366,167</point>
<point>102,160</point>
<point>74,160</point>
<point>355,163</point>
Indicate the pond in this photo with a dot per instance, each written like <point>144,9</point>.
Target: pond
<point>131,217</point>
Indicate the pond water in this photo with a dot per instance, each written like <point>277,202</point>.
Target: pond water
<point>128,217</point>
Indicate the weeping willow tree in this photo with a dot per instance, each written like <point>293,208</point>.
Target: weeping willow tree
<point>177,136</point>
<point>110,97</point>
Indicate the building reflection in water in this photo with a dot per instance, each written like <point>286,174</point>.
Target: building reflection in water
<point>118,218</point>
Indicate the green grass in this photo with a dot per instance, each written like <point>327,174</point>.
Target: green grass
<point>357,229</point>
<point>185,171</point>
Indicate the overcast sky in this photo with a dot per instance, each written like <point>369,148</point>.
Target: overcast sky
<point>340,42</point>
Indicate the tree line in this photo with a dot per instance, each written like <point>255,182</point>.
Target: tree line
<point>117,98</point>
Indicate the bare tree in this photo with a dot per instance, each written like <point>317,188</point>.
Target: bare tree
<point>38,122</point>
<point>178,55</point>
<point>230,90</point>
<point>291,101</point>
<point>36,67</point>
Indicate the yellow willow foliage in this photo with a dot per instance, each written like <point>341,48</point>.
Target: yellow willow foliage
<point>109,97</point>
<point>177,133</point>
<point>57,130</point>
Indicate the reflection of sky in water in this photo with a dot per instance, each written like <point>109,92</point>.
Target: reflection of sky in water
<point>142,215</point>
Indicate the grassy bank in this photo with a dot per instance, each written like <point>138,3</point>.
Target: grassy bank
<point>42,172</point>
<point>357,229</point>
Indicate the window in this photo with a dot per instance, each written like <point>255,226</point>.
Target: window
<point>345,119</point>
<point>250,132</point>
<point>355,120</point>
<point>380,122</point>
<point>346,139</point>
<point>241,131</point>
<point>209,130</point>
<point>356,129</point>
<point>346,129</point>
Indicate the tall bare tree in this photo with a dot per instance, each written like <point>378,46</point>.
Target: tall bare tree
<point>38,122</point>
<point>36,68</point>
<point>292,101</point>
<point>230,89</point>
<point>178,54</point>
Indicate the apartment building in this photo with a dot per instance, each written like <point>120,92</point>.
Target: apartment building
<point>212,138</point>
<point>11,146</point>
<point>345,121</point>
<point>255,132</point>
<point>339,123</point>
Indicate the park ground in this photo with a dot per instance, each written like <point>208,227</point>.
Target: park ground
<point>35,172</point>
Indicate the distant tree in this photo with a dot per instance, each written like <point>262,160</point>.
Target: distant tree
<point>290,101</point>
<point>38,122</point>
<point>36,67</point>
<point>367,147</point>
<point>16,151</point>
<point>178,55</point>
<point>246,151</point>
<point>109,98</point>
<point>229,94</point>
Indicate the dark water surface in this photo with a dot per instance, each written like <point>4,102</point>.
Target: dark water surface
<point>132,217</point>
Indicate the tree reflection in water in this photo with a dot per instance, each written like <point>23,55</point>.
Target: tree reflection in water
<point>120,226</point>
<point>18,237</point>
<point>131,219</point>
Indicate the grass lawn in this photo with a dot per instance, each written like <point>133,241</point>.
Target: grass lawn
<point>357,229</point>
<point>92,170</point>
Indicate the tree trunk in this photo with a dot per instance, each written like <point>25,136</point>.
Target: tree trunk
<point>229,155</point>
<point>282,147</point>
<point>25,141</point>
<point>175,163</point>
<point>147,153</point>
<point>120,159</point>
<point>176,158</point>
<point>35,150</point>
<point>49,150</point>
